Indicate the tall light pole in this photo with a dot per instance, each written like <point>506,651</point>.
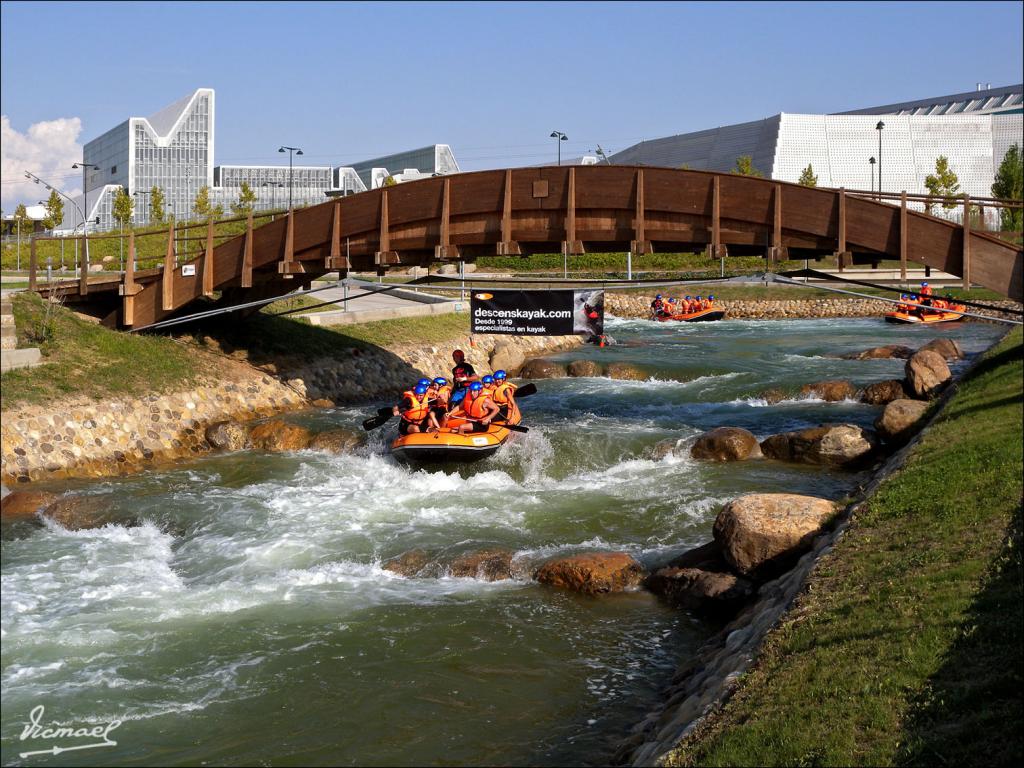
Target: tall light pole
<point>85,204</point>
<point>559,137</point>
<point>18,218</point>
<point>879,128</point>
<point>872,161</point>
<point>81,213</point>
<point>291,152</point>
<point>140,193</point>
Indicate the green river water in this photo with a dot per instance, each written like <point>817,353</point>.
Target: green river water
<point>247,620</point>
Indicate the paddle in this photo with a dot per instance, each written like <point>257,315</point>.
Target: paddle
<point>526,390</point>
<point>377,421</point>
<point>510,427</point>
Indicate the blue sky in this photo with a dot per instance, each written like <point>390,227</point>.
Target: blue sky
<point>349,81</point>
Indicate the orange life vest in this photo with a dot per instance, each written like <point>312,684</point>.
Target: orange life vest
<point>477,409</point>
<point>418,407</point>
<point>501,394</point>
<point>444,395</point>
<point>926,290</point>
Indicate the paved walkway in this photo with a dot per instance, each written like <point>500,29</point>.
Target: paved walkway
<point>365,306</point>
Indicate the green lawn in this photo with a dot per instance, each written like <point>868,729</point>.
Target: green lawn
<point>84,359</point>
<point>907,646</point>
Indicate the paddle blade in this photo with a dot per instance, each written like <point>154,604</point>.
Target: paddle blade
<point>515,428</point>
<point>526,390</point>
<point>376,421</point>
<point>384,411</point>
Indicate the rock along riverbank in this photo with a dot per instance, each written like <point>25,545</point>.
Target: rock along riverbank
<point>98,439</point>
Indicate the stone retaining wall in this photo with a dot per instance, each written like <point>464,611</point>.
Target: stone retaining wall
<point>116,436</point>
<point>628,305</point>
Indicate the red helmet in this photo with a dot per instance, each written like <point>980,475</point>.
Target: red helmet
<point>458,354</point>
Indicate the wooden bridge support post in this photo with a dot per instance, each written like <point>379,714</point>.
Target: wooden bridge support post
<point>83,270</point>
<point>716,220</point>
<point>384,255</point>
<point>246,281</point>
<point>167,278</point>
<point>571,245</point>
<point>445,250</point>
<point>775,252</point>
<point>208,261</point>
<point>903,236</point>
<point>507,246</point>
<point>129,288</point>
<point>640,245</point>
<point>336,260</point>
<point>967,242</point>
<point>32,264</point>
<point>288,266</point>
<point>841,252</point>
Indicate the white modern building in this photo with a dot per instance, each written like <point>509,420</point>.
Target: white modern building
<point>974,130</point>
<point>174,150</point>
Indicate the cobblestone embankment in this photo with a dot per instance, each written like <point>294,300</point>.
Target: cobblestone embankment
<point>623,305</point>
<point>125,435</point>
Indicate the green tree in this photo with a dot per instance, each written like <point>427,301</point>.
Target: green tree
<point>124,206</point>
<point>246,200</point>
<point>54,210</point>
<point>389,182</point>
<point>745,167</point>
<point>807,177</point>
<point>201,207</point>
<point>156,205</point>
<point>942,183</point>
<point>1009,185</point>
<point>21,222</point>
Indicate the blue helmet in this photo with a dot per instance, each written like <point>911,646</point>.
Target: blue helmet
<point>688,297</point>
<point>500,375</point>
<point>487,380</point>
<point>441,381</point>
<point>476,386</point>
<point>924,285</point>
<point>658,296</point>
<point>711,297</point>
<point>423,383</point>
<point>698,298</point>
<point>421,389</point>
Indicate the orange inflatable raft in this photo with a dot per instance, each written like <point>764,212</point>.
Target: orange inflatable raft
<point>703,316</point>
<point>917,316</point>
<point>449,446</point>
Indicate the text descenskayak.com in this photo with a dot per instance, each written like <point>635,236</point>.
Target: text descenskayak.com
<point>523,314</point>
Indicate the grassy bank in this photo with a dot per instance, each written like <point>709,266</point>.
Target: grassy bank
<point>906,647</point>
<point>85,360</point>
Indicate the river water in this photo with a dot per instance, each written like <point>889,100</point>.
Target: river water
<point>247,620</point>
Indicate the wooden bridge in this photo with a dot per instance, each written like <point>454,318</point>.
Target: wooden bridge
<point>572,210</point>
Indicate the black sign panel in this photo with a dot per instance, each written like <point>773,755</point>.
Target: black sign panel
<point>538,313</point>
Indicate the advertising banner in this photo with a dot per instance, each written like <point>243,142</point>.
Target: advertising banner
<point>538,313</point>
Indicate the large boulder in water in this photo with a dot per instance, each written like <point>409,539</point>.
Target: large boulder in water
<point>899,419</point>
<point>625,371</point>
<point>409,564</point>
<point>836,445</point>
<point>726,444</point>
<point>18,505</point>
<point>539,368</point>
<point>486,564</point>
<point>762,532</point>
<point>829,391</point>
<point>889,351</point>
<point>584,368</point>
<point>947,348</point>
<point>78,513</point>
<point>661,449</point>
<point>227,436</point>
<point>710,592</point>
<point>593,573</point>
<point>278,436</point>
<point>927,373</point>
<point>339,440</point>
<point>882,392</point>
<point>507,357</point>
<point>773,396</point>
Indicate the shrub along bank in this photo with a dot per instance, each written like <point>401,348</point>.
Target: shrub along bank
<point>906,645</point>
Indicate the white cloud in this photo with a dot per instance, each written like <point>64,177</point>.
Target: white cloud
<point>47,149</point>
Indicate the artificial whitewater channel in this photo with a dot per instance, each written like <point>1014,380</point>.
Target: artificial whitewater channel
<point>247,619</point>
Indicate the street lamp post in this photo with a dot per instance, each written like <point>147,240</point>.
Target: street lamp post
<point>81,213</point>
<point>141,193</point>
<point>559,137</point>
<point>17,223</point>
<point>879,128</point>
<point>85,204</point>
<point>872,161</point>
<point>291,152</point>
